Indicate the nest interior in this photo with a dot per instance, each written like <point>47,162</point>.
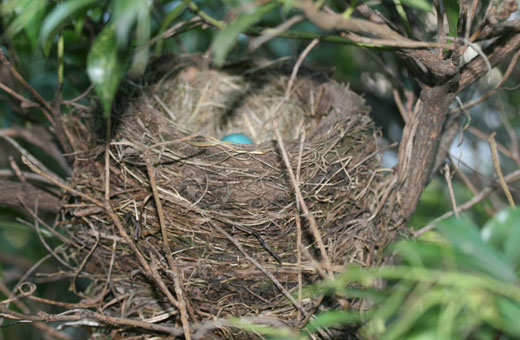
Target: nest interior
<point>232,221</point>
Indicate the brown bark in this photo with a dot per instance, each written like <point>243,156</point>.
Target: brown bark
<point>423,133</point>
<point>418,148</point>
<point>14,193</point>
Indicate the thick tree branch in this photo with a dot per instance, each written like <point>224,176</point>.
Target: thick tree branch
<point>13,192</point>
<point>421,136</point>
<point>496,53</point>
<point>332,21</point>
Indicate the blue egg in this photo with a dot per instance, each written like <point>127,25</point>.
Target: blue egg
<point>237,138</point>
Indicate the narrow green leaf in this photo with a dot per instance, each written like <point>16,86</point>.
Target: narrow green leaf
<point>105,67</point>
<point>280,333</point>
<point>464,237</point>
<point>423,253</point>
<point>142,36</point>
<point>59,17</point>
<point>422,5</point>
<point>168,20</point>
<point>503,232</point>
<point>28,16</point>
<point>509,315</point>
<point>332,318</point>
<point>125,14</point>
<point>226,38</point>
<point>452,12</point>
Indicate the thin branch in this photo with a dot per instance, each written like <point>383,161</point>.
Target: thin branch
<point>447,176</point>
<point>83,314</point>
<point>303,205</point>
<point>25,84</point>
<point>167,249</point>
<point>512,177</point>
<point>498,169</point>
<point>25,154</point>
<point>271,33</point>
<point>12,192</point>
<point>497,88</point>
<point>496,53</point>
<point>296,67</point>
<point>334,21</point>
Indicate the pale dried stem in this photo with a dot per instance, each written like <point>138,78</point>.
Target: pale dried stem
<point>299,197</point>
<point>24,153</point>
<point>296,67</point>
<point>512,177</point>
<point>468,183</point>
<point>262,269</point>
<point>508,72</point>
<point>167,250</point>
<point>272,33</point>
<point>447,176</point>
<point>45,105</point>
<point>498,169</point>
<point>400,106</point>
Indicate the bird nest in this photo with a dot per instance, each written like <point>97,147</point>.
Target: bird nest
<point>201,229</point>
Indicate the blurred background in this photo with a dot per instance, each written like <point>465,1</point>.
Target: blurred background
<point>52,44</point>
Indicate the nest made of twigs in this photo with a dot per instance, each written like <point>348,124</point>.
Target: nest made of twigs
<point>244,231</point>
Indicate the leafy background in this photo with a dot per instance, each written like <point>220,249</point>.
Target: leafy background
<point>459,281</point>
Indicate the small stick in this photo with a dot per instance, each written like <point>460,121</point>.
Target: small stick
<point>26,154</point>
<point>299,262</point>
<point>469,184</point>
<point>496,163</point>
<point>271,33</point>
<point>5,312</point>
<point>296,67</point>
<point>400,106</point>
<point>299,197</point>
<point>447,176</point>
<point>262,269</point>
<point>25,84</point>
<point>83,314</point>
<point>514,176</point>
<point>167,250</point>
<point>299,228</point>
<point>508,72</point>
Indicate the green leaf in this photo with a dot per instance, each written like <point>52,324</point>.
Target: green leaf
<point>142,37</point>
<point>168,20</point>
<point>423,253</point>
<point>28,16</point>
<point>452,12</point>
<point>59,17</point>
<point>422,5</point>
<point>126,14</point>
<point>280,333</point>
<point>503,232</point>
<point>105,67</point>
<point>509,315</point>
<point>227,38</point>
<point>473,252</point>
<point>332,318</point>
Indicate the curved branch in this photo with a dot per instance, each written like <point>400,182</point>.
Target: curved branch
<point>496,53</point>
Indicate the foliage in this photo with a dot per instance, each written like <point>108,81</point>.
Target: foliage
<point>455,283</point>
<point>118,34</point>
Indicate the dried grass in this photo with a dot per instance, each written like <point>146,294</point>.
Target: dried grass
<point>229,211</point>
